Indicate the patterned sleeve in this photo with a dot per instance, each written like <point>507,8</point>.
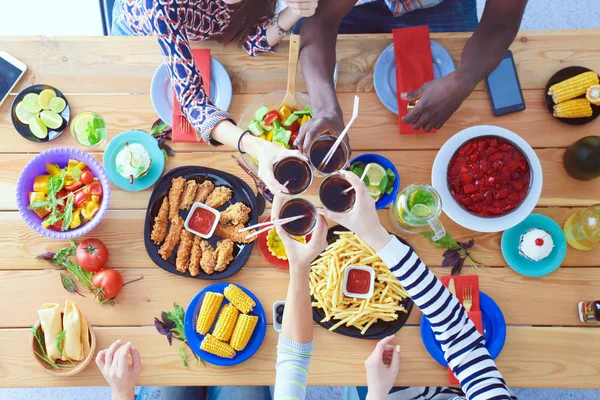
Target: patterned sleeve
<point>167,20</point>
<point>256,43</point>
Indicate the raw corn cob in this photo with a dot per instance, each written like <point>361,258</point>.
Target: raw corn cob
<point>576,108</point>
<point>239,298</point>
<point>573,87</point>
<point>593,95</point>
<point>226,322</point>
<point>243,331</point>
<point>208,311</point>
<point>212,345</point>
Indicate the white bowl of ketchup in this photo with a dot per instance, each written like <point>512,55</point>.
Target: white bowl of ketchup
<point>359,282</point>
<point>202,220</point>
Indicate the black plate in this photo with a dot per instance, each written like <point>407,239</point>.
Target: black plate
<point>560,76</point>
<point>378,330</point>
<point>241,192</point>
<point>24,130</point>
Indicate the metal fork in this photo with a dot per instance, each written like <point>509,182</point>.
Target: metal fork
<point>468,297</point>
<point>185,125</point>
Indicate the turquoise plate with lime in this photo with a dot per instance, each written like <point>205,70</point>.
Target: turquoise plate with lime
<point>156,156</point>
<point>512,237</point>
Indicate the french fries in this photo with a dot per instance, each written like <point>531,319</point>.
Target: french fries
<point>326,285</point>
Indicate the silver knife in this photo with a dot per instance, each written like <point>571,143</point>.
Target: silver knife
<point>451,286</point>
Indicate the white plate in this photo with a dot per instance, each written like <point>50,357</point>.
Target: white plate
<point>161,90</point>
<point>455,211</point>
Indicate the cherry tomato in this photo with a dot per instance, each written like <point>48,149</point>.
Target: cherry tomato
<point>91,255</point>
<point>73,187</point>
<point>295,127</point>
<point>270,117</point>
<point>87,177</point>
<point>57,226</point>
<point>110,281</point>
<point>81,197</point>
<point>94,188</point>
<point>293,137</point>
<point>61,193</point>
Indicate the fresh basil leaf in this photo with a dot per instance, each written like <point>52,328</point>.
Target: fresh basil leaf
<point>383,183</point>
<point>68,283</point>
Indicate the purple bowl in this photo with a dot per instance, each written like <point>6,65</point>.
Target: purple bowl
<point>37,166</point>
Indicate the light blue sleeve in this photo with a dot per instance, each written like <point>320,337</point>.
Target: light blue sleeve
<point>293,360</point>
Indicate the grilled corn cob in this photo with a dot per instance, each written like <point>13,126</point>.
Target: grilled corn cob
<point>593,95</point>
<point>208,311</point>
<point>243,331</point>
<point>576,108</point>
<point>212,345</point>
<point>226,322</point>
<point>573,87</point>
<point>239,298</point>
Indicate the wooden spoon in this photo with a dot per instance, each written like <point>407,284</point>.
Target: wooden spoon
<point>290,95</point>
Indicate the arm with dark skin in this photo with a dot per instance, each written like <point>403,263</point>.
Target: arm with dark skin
<point>317,55</point>
<point>440,98</point>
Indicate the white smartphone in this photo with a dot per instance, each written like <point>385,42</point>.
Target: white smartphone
<point>11,71</point>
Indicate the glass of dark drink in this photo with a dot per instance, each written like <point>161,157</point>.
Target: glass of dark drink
<point>332,196</point>
<point>296,172</point>
<point>319,149</point>
<point>302,226</point>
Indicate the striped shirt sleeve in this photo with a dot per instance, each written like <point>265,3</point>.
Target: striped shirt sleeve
<point>461,343</point>
<point>293,360</point>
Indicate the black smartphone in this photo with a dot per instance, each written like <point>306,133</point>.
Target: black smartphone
<point>504,88</point>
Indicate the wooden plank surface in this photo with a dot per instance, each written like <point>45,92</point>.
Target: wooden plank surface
<point>523,300</point>
<point>532,357</point>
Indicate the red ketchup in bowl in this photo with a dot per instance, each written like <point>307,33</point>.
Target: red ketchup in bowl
<point>359,281</point>
<point>489,176</point>
<point>202,221</point>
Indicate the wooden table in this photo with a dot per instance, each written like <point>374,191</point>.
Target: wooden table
<point>546,344</point>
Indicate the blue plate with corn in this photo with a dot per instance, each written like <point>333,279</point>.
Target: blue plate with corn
<point>225,324</point>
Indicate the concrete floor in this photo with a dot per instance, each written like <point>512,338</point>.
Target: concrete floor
<point>539,15</point>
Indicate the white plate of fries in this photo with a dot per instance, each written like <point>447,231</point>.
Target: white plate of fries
<point>377,317</point>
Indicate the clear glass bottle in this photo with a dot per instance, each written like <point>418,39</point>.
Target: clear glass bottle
<point>582,229</point>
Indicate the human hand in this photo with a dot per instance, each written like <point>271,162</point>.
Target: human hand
<point>268,154</point>
<point>313,128</point>
<point>300,255</point>
<point>438,100</point>
<point>120,374</point>
<point>382,368</point>
<point>303,8</point>
<point>362,219</point>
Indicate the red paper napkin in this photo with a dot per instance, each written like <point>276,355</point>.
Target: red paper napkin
<point>460,282</point>
<point>202,61</point>
<point>414,67</point>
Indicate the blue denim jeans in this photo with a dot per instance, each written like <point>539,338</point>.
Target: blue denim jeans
<point>204,393</point>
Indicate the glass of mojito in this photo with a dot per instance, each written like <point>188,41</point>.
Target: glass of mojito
<point>89,129</point>
<point>415,208</point>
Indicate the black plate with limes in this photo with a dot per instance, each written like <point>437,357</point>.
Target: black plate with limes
<point>24,129</point>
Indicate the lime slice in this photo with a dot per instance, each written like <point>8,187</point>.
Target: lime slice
<point>127,156</point>
<point>81,124</point>
<point>136,160</point>
<point>420,210</point>
<point>45,96</point>
<point>31,106</point>
<point>32,98</point>
<point>38,128</point>
<point>58,104</point>
<point>23,115</point>
<point>375,173</point>
<point>51,119</point>
<point>374,191</point>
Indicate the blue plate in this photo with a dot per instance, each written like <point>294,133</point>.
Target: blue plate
<point>161,91</point>
<point>384,76</point>
<point>156,154</point>
<point>494,331</point>
<point>195,339</point>
<point>386,199</point>
<point>512,237</point>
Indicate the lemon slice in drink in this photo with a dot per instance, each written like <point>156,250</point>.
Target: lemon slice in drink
<point>23,115</point>
<point>51,119</point>
<point>38,128</point>
<point>46,96</point>
<point>374,191</point>
<point>81,124</point>
<point>420,210</point>
<point>58,104</point>
<point>375,173</point>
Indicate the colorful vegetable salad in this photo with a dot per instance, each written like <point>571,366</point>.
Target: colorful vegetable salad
<point>279,126</point>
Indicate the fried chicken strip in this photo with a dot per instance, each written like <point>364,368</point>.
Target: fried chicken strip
<point>204,190</point>
<point>219,196</point>
<point>175,196</point>
<point>196,256</point>
<point>172,238</point>
<point>237,214</point>
<point>224,254</point>
<point>231,232</point>
<point>183,252</point>
<point>161,223</point>
<point>208,261</point>
<point>189,195</point>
